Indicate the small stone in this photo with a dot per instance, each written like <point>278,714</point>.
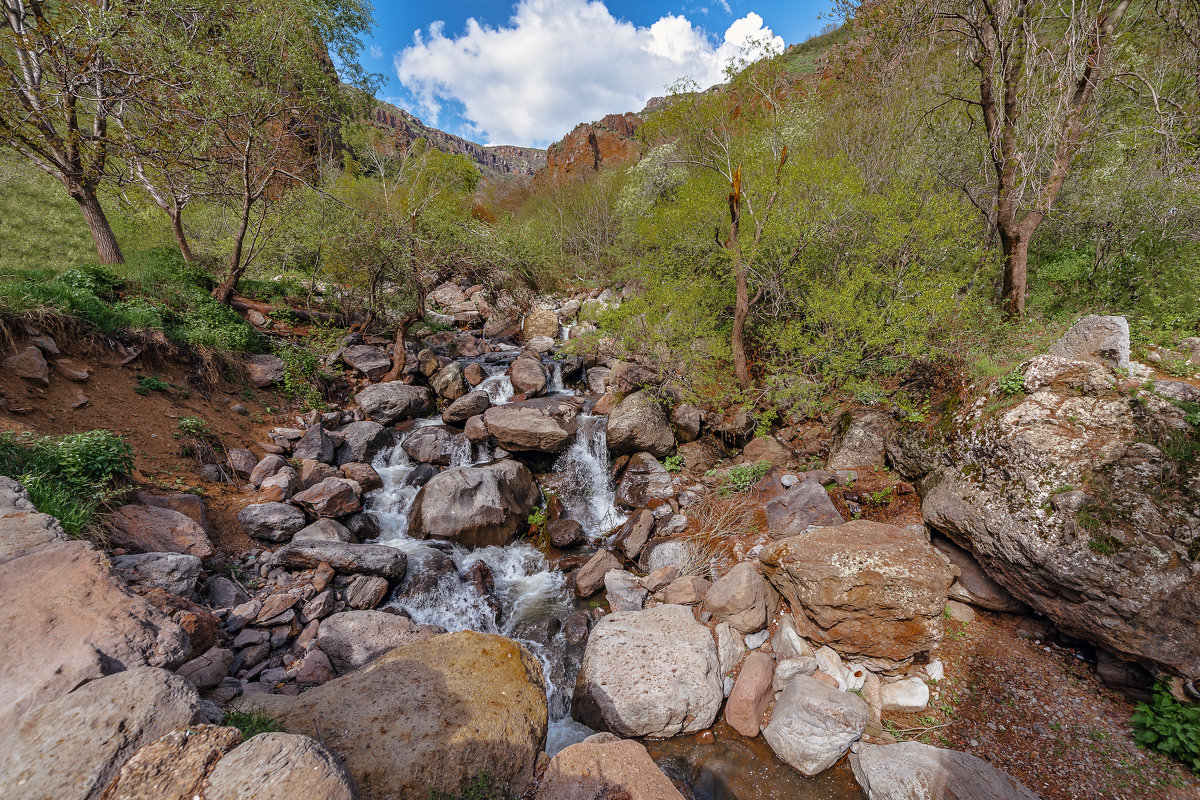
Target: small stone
<point>30,365</point>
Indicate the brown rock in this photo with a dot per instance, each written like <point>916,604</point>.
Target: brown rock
<point>767,448</point>
<point>540,322</point>
<point>199,623</point>
<point>187,504</point>
<point>742,598</point>
<point>660,578</point>
<point>332,497</point>
<point>322,575</point>
<point>149,529</point>
<point>264,370</point>
<point>30,365</point>
<point>688,590</point>
<point>590,577</point>
<point>71,370</point>
<point>313,472</point>
<point>365,591</point>
<point>605,768</point>
<point>564,533</point>
<point>751,695</point>
<point>175,766</point>
<point>274,606</point>
<point>280,766</point>
<point>473,374</point>
<point>871,591</point>
<point>315,670</point>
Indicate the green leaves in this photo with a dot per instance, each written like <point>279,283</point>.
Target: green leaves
<point>1170,727</point>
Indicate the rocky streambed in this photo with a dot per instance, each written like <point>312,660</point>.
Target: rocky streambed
<point>485,572</point>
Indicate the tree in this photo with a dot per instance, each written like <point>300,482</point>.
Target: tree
<point>62,79</point>
<point>740,135</point>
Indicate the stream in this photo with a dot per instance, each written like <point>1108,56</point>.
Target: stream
<point>534,600</point>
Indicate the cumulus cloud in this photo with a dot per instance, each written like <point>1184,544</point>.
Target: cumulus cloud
<point>560,62</point>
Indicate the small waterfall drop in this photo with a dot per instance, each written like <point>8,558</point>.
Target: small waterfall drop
<point>583,480</point>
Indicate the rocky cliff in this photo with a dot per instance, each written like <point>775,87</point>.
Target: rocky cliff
<point>593,146</point>
<point>503,159</point>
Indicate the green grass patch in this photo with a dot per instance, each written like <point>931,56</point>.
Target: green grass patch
<point>251,724</point>
<point>69,477</point>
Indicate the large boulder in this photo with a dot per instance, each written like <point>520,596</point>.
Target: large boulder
<point>542,426</point>
<point>22,528</point>
<point>860,440</point>
<point>448,382</point>
<point>272,522</point>
<point>475,506</point>
<point>332,497</point>
<point>353,639</point>
<point>1099,339</point>
<point>465,407</point>
<point>539,322</point>
<point>175,573</point>
<point>813,724</point>
<point>314,445</point>
<point>1066,503</point>
<point>605,766</point>
<point>639,424</point>
<point>805,505</point>
<point>370,559</point>
<point>871,591</point>
<point>374,362</point>
<point>528,376</point>
<point>361,442</point>
<point>972,584</point>
<point>67,620</point>
<point>431,444</point>
<point>264,370</point>
<point>392,402</point>
<point>429,716</point>
<point>175,766</point>
<point>644,480</point>
<point>915,771</point>
<point>149,529</point>
<point>72,747</point>
<point>649,673</point>
<point>280,766</point>
<point>742,598</point>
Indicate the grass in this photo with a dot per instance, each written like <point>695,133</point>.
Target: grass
<point>250,723</point>
<point>480,787</point>
<point>68,477</point>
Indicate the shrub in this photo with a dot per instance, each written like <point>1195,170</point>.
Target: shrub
<point>151,383</point>
<point>1012,384</point>
<point>94,457</point>
<point>191,428</point>
<point>1169,726</point>
<point>673,463</point>
<point>743,476</point>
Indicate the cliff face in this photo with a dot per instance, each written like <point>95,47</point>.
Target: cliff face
<point>503,159</point>
<point>593,146</point>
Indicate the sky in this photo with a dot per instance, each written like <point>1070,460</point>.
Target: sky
<point>526,72</point>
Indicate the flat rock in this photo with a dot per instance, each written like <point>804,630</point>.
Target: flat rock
<point>392,402</point>
<point>371,361</point>
<point>22,528</point>
<point>175,766</point>
<point>605,769</point>
<point>272,522</point>
<point>814,724</point>
<point>649,673</point>
<point>915,771</point>
<point>805,505</point>
<point>149,529</point>
<point>176,573</point>
<point>352,639</point>
<point>371,559</point>
<point>442,719</point>
<point>541,426</point>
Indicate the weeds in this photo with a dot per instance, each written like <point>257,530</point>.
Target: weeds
<point>673,463</point>
<point>151,383</point>
<point>1170,727</point>
<point>250,723</point>
<point>480,787</point>
<point>1012,384</point>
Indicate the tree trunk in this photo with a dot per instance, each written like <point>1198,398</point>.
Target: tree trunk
<point>1016,266</point>
<point>176,214</point>
<point>224,291</point>
<point>107,248</point>
<point>399,356</point>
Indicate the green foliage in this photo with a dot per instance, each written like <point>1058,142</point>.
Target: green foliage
<point>537,519</point>
<point>673,463</point>
<point>1012,384</point>
<point>744,476</point>
<point>68,477</point>
<point>1169,726</point>
<point>1177,367</point>
<point>250,723</point>
<point>191,428</point>
<point>300,371</point>
<point>480,787</point>
<point>150,383</point>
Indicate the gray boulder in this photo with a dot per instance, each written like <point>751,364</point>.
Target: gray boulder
<point>392,402</point>
<point>639,424</point>
<point>371,559</point>
<point>361,442</point>
<point>175,573</point>
<point>743,598</point>
<point>352,639</point>
<point>805,505</point>
<point>1099,339</point>
<point>915,771</point>
<point>280,766</point>
<point>813,724</point>
<point>649,673</point>
<point>271,522</point>
<point>325,530</point>
<point>371,361</point>
<point>860,440</point>
<point>475,506</point>
<point>545,425</point>
<point>644,480</point>
<point>315,445</point>
<point>264,370</point>
<point>465,407</point>
<point>430,444</point>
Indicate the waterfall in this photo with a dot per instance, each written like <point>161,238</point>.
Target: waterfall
<point>498,385</point>
<point>584,480</point>
<point>555,385</point>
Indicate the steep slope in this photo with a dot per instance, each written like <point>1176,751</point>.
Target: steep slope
<point>503,159</point>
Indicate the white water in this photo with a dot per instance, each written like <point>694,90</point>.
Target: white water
<point>497,384</point>
<point>529,590</point>
<point>584,481</point>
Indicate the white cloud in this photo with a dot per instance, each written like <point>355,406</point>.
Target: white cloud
<point>560,62</point>
<point>725,5</point>
<point>376,51</point>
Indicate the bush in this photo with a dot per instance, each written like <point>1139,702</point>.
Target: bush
<point>743,476</point>
<point>1012,384</point>
<point>1170,727</point>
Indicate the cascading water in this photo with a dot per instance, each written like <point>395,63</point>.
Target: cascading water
<point>583,479</point>
<point>498,385</point>
<point>530,596</point>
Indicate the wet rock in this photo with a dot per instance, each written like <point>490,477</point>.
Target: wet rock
<point>149,529</point>
<point>475,506</point>
<point>813,724</point>
<point>362,441</point>
<point>542,426</point>
<point>265,468</point>
<point>639,424</point>
<point>564,533</point>
<point>175,766</point>
<point>371,361</point>
<point>1099,339</point>
<point>72,747</point>
<point>860,441</point>
<point>915,771</point>
<point>68,619</point>
<point>272,522</point>
<point>362,474</point>
<point>644,480</point>
<point>590,577</point>
<point>176,573</point>
<point>528,377</point>
<point>613,768</point>
<point>392,402</point>
<point>448,382</point>
<point>805,505</point>
<point>344,557</point>
<point>420,475</point>
<point>280,766</point>
<point>649,673</point>
<point>867,589</point>
<point>623,591</point>
<point>448,727</point>
<point>751,695</point>
<point>353,639</point>
<point>465,407</point>
<point>315,445</point>
<point>265,370</point>
<point>332,497</point>
<point>324,530</point>
<point>363,525</point>
<point>742,598</point>
<point>634,534</point>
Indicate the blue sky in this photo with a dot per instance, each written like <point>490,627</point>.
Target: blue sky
<point>526,72</point>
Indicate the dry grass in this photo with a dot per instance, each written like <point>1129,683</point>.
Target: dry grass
<point>714,525</point>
